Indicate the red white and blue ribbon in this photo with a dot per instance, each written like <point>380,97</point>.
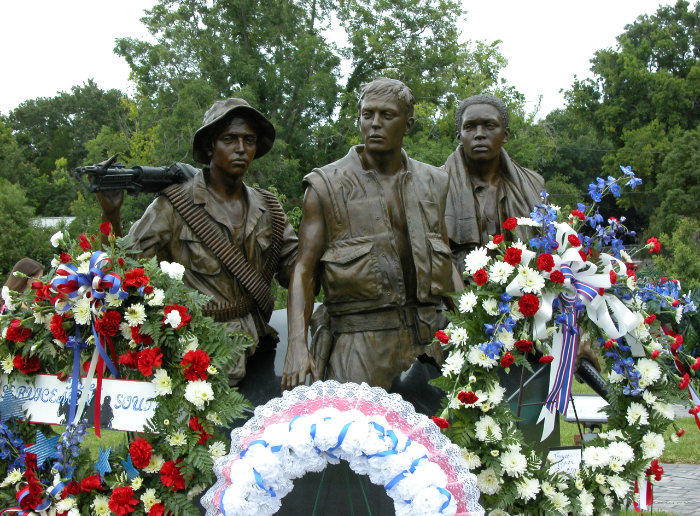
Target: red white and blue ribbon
<point>95,284</point>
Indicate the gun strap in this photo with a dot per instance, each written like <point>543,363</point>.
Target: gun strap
<point>256,283</point>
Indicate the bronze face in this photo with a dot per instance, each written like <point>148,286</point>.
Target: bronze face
<point>482,134</point>
<point>234,149</point>
<point>383,123</point>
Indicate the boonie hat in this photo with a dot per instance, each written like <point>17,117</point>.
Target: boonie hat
<point>220,110</point>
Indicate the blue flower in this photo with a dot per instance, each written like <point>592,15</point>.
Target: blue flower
<point>633,181</point>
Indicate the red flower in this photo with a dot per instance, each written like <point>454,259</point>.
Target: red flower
<point>184,316</point>
<point>675,303</point>
<point>135,278</point>
<point>441,422</point>
<point>696,365</point>
<point>64,258</point>
<point>545,262</point>
<point>524,346</point>
<point>91,483</point>
<point>140,338</point>
<point>510,223</point>
<point>27,366</point>
<point>650,318</point>
<point>609,343</point>
<point>17,333</point>
<point>148,289</point>
<point>157,510</point>
<point>170,475</point>
<point>442,336</point>
<point>680,432</point>
<point>140,451</point>
<point>613,277</point>
<point>61,376</point>
<point>122,501</point>
<point>106,228</point>
<point>578,214</point>
<point>120,261</point>
<point>582,255</point>
<point>557,277</point>
<point>574,240</point>
<point>497,239</point>
<point>528,305</point>
<point>693,411</point>
<point>513,256</point>
<point>655,354</point>
<point>83,242</point>
<point>56,328</point>
<point>684,381</point>
<point>467,397</point>
<point>480,277</point>
<point>507,360</point>
<point>196,363</point>
<point>108,324</point>
<point>546,359</point>
<point>677,343</point>
<point>72,488</point>
<point>654,245</point>
<point>197,427</point>
<point>129,359</point>
<point>148,359</point>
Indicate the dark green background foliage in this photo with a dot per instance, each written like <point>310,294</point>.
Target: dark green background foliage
<point>641,108</point>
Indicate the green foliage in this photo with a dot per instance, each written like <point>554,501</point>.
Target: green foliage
<point>679,253</point>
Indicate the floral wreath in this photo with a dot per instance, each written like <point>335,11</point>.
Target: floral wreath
<point>377,433</point>
<point>105,313</point>
<point>535,301</point>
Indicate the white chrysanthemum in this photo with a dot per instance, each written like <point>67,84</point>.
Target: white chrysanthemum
<point>637,414</point>
<point>189,341</point>
<point>614,377</point>
<point>652,445</point>
<point>513,463</point>
<point>515,313</point>
<point>472,459</point>
<point>586,500</point>
<point>499,272</point>
<point>199,393</point>
<point>113,300</point>
<point>135,314</point>
<point>477,259</point>
<point>649,398</point>
<point>173,318</point>
<point>506,338</point>
<point>467,302</point>
<point>527,221</point>
<point>212,370</point>
<point>174,270</point>
<point>155,464</point>
<point>560,502</point>
<point>491,246</point>
<point>619,485</point>
<point>179,438</point>
<point>100,506</point>
<point>649,370</point>
<point>631,283</point>
<point>56,238</point>
<point>491,306</point>
<point>156,298</point>
<point>12,478</point>
<point>609,502</point>
<point>214,418</point>
<point>84,267</point>
<point>217,449</point>
<point>487,430</point>
<point>458,335</point>
<point>642,331</point>
<point>548,489</point>
<point>82,312</point>
<point>612,435</point>
<point>162,384</point>
<point>136,483</point>
<point>664,410</point>
<point>529,280</point>
<point>149,498</point>
<point>477,357</point>
<point>125,330</point>
<point>595,457</point>
<point>488,482</point>
<point>453,363</point>
<point>195,491</point>
<point>527,488</point>
<point>7,364</point>
<point>679,314</point>
<point>7,298</point>
<point>55,262</point>
<point>39,318</point>
<point>621,451</point>
<point>495,393</point>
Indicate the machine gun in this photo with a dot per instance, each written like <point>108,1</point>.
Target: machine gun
<point>113,175</point>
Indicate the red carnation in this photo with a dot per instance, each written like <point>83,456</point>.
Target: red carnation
<point>91,483</point>
<point>497,239</point>
<point>27,366</point>
<point>196,363</point>
<point>480,277</point>
<point>120,261</point>
<point>135,278</point>
<point>442,336</point>
<point>574,240</point>
<point>148,359</point>
<point>650,318</point>
<point>83,242</point>
<point>510,223</point>
<point>157,510</point>
<point>140,451</point>
<point>677,343</point>
<point>129,359</point>
<point>654,245</point>
<point>106,228</point>
<point>578,214</point>
<point>525,346</point>
<point>140,338</point>
<point>16,332</point>
<point>122,501</point>
<point>582,255</point>
<point>613,277</point>
<point>467,398</point>
<point>675,303</point>
<point>545,262</point>
<point>197,427</point>
<point>684,381</point>
<point>528,305</point>
<point>170,475</point>
<point>56,328</point>
<point>108,324</point>
<point>546,359</point>
<point>513,256</point>
<point>695,365</point>
<point>680,432</point>
<point>148,289</point>
<point>557,277</point>
<point>441,422</point>
<point>655,354</point>
<point>64,258</point>
<point>184,316</point>
<point>609,343</point>
<point>507,360</point>
<point>70,489</point>
<point>61,376</point>
<point>694,410</point>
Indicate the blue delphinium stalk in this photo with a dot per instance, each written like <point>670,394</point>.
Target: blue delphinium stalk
<point>68,448</point>
<point>633,181</point>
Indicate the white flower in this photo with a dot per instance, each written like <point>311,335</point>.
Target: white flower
<point>586,500</point>
<point>527,488</point>
<point>631,283</point>
<point>136,483</point>
<point>495,453</point>
<point>488,482</point>
<point>621,451</point>
<point>529,280</point>
<point>619,485</point>
<point>149,498</point>
<point>217,449</point>
<point>7,298</point>
<point>125,330</point>
<point>199,393</point>
<point>467,302</point>
<point>527,221</point>
<point>189,341</point>
<point>156,297</point>
<point>560,502</point>
<point>174,270</point>
<point>506,337</point>
<point>649,370</point>
<point>55,262</point>
<point>135,314</point>
<point>487,430</point>
<point>664,410</point>
<point>113,300</point>
<point>636,413</point>
<point>84,267</point>
<point>595,456</point>
<point>490,306</point>
<point>458,335</point>
<point>212,370</point>
<point>214,418</point>
<point>472,459</point>
<point>499,272</point>
<point>173,318</point>
<point>56,238</point>
<point>179,438</point>
<point>515,312</point>
<point>614,377</point>
<point>514,463</point>
<point>477,259</point>
<point>155,464</point>
<point>196,490</point>
<point>101,506</point>
<point>648,398</point>
<point>495,393</point>
<point>652,445</point>
<point>453,363</point>
<point>679,314</point>
<point>478,357</point>
<point>82,312</point>
<point>625,256</point>
<point>12,478</point>
<point>162,384</point>
<point>7,364</point>
<point>84,257</point>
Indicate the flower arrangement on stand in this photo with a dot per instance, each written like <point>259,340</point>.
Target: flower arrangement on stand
<point>108,314</point>
<point>536,301</point>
